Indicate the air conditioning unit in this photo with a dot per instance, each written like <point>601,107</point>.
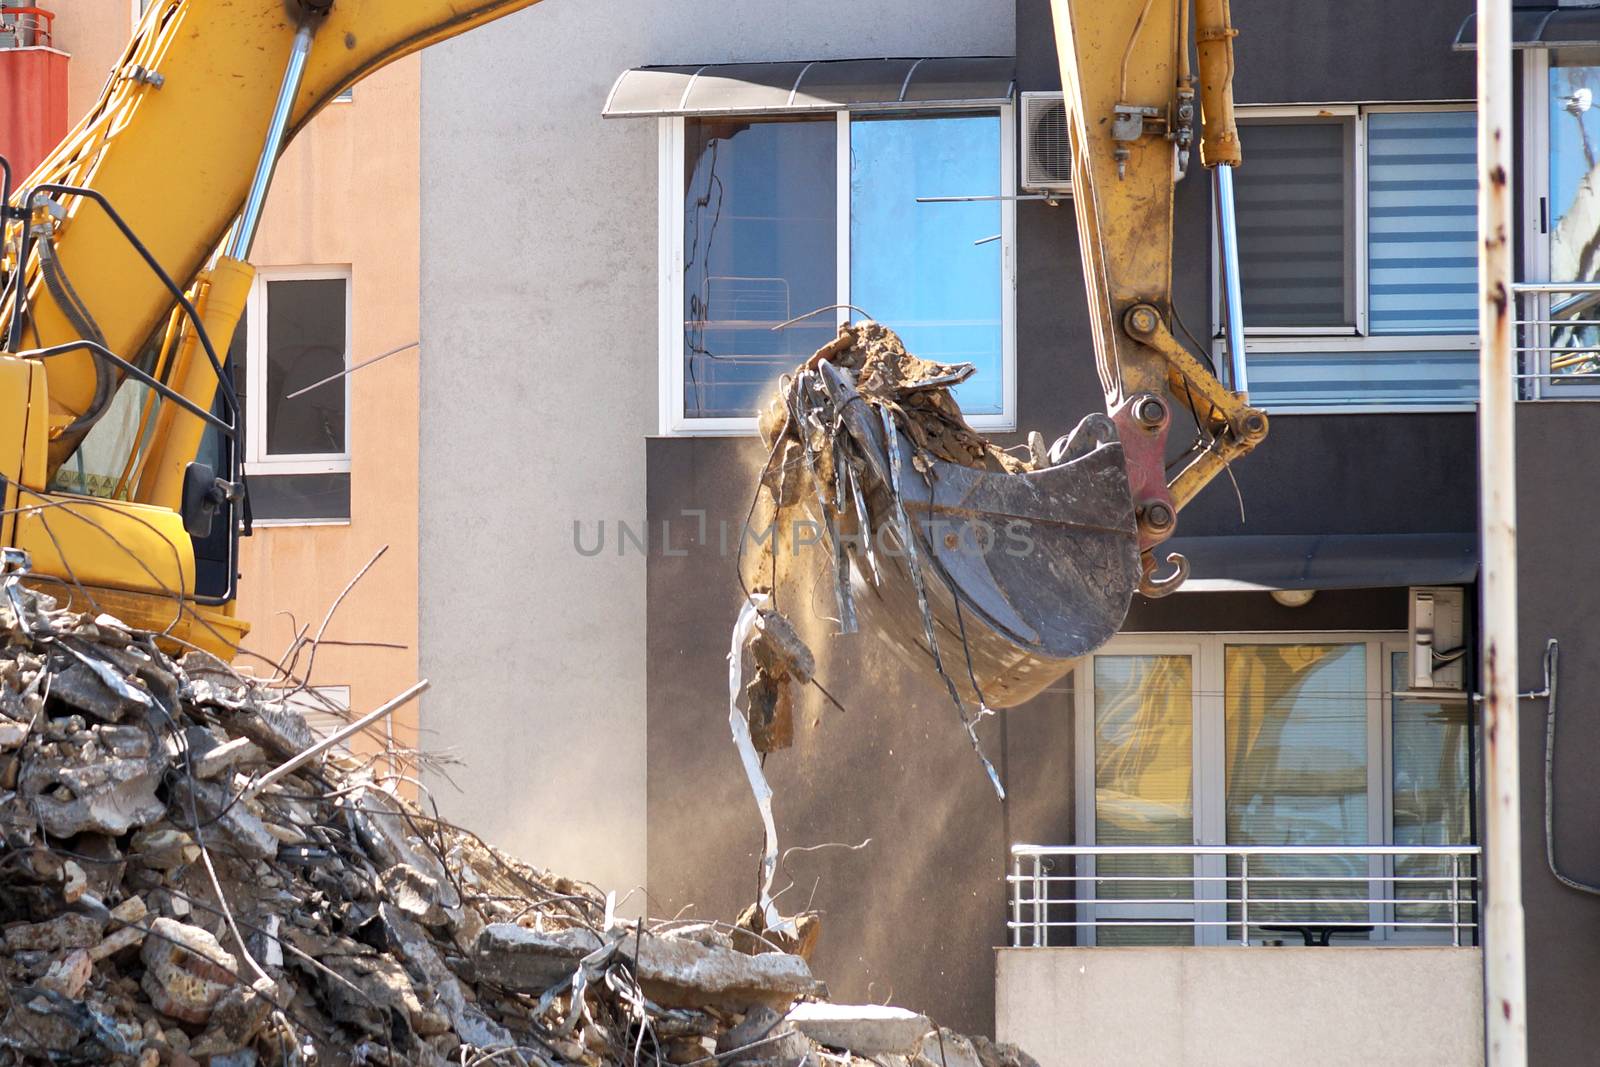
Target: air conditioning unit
<point>1438,638</point>
<point>1046,146</point>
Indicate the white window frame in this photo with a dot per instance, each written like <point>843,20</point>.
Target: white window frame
<point>672,419</point>
<point>257,460</point>
<point>1359,338</point>
<point>1209,766</point>
<point>1537,214</point>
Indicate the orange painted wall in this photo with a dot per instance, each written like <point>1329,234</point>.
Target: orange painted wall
<point>346,194</point>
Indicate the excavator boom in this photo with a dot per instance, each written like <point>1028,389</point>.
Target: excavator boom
<point>174,157</point>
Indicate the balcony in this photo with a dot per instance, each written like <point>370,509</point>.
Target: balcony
<point>1242,955</point>
<point>1558,340</point>
<point>1243,895</point>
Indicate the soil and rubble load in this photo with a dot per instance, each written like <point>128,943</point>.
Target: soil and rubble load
<point>163,903</point>
<point>996,567</point>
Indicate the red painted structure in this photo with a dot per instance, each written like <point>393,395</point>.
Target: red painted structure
<point>33,88</point>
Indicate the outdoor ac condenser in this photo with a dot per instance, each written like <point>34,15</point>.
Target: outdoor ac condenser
<point>1046,148</point>
<point>1438,638</point>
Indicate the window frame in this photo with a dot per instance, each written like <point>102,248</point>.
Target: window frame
<point>1536,214</point>
<point>1313,339</point>
<point>257,460</point>
<point>1209,730</point>
<point>672,419</point>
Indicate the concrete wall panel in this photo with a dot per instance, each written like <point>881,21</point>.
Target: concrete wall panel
<point>1189,1007</point>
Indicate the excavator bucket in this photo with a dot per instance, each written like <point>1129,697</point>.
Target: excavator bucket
<point>1007,577</point>
<point>1000,571</point>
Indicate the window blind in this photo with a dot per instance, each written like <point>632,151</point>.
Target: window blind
<point>1294,224</point>
<point>1422,222</point>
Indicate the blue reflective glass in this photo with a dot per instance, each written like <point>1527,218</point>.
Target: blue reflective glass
<point>917,267</point>
<point>758,249</point>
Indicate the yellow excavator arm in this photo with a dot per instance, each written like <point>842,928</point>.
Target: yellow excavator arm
<point>1130,100</point>
<point>117,234</point>
<point>127,254</point>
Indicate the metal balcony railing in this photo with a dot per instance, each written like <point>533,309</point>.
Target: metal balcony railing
<point>26,27</point>
<point>1242,895</point>
<point>1558,339</point>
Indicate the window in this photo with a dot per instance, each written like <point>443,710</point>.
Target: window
<point>765,220</point>
<point>1358,256</point>
<point>298,330</point>
<point>1269,739</point>
<point>288,358</point>
<point>1561,132</point>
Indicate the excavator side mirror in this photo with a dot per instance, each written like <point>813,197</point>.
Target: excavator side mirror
<point>202,498</point>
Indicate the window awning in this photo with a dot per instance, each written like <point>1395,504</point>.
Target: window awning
<point>1540,27</point>
<point>820,85</point>
<point>1326,561</point>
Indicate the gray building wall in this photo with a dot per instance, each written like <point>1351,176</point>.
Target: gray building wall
<point>1559,596</point>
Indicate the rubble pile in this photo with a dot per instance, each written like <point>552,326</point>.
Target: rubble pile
<point>163,901</point>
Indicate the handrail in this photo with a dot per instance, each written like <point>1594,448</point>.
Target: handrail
<point>33,26</point>
<point>1231,894</point>
<point>1248,850</point>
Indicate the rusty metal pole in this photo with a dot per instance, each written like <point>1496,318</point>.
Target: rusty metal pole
<point>1505,999</point>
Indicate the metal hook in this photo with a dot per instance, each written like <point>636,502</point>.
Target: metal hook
<point>1154,587</point>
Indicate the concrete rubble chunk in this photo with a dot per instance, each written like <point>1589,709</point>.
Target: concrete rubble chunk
<point>531,960</point>
<point>688,974</point>
<point>763,1037</point>
<point>163,848</point>
<point>229,818</point>
<point>107,796</point>
<point>13,734</point>
<point>69,974</point>
<point>946,1048</point>
<point>68,930</point>
<point>214,761</point>
<point>186,970</point>
<point>414,893</point>
<point>864,1029</point>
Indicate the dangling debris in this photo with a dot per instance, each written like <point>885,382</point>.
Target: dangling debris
<point>997,569</point>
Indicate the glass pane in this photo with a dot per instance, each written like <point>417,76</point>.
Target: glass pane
<point>1144,791</point>
<point>758,250</point>
<point>1574,210</point>
<point>1295,724</point>
<point>919,267</point>
<point>1432,801</point>
<point>1295,213</point>
<point>305,344</point>
<point>1422,218</point>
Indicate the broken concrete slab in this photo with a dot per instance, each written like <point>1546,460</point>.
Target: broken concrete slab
<point>224,815</point>
<point>215,760</point>
<point>186,970</point>
<point>66,931</point>
<point>864,1029</point>
<point>531,960</point>
<point>682,973</point>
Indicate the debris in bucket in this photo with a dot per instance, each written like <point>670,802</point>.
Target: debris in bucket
<point>163,902</point>
<point>819,467</point>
